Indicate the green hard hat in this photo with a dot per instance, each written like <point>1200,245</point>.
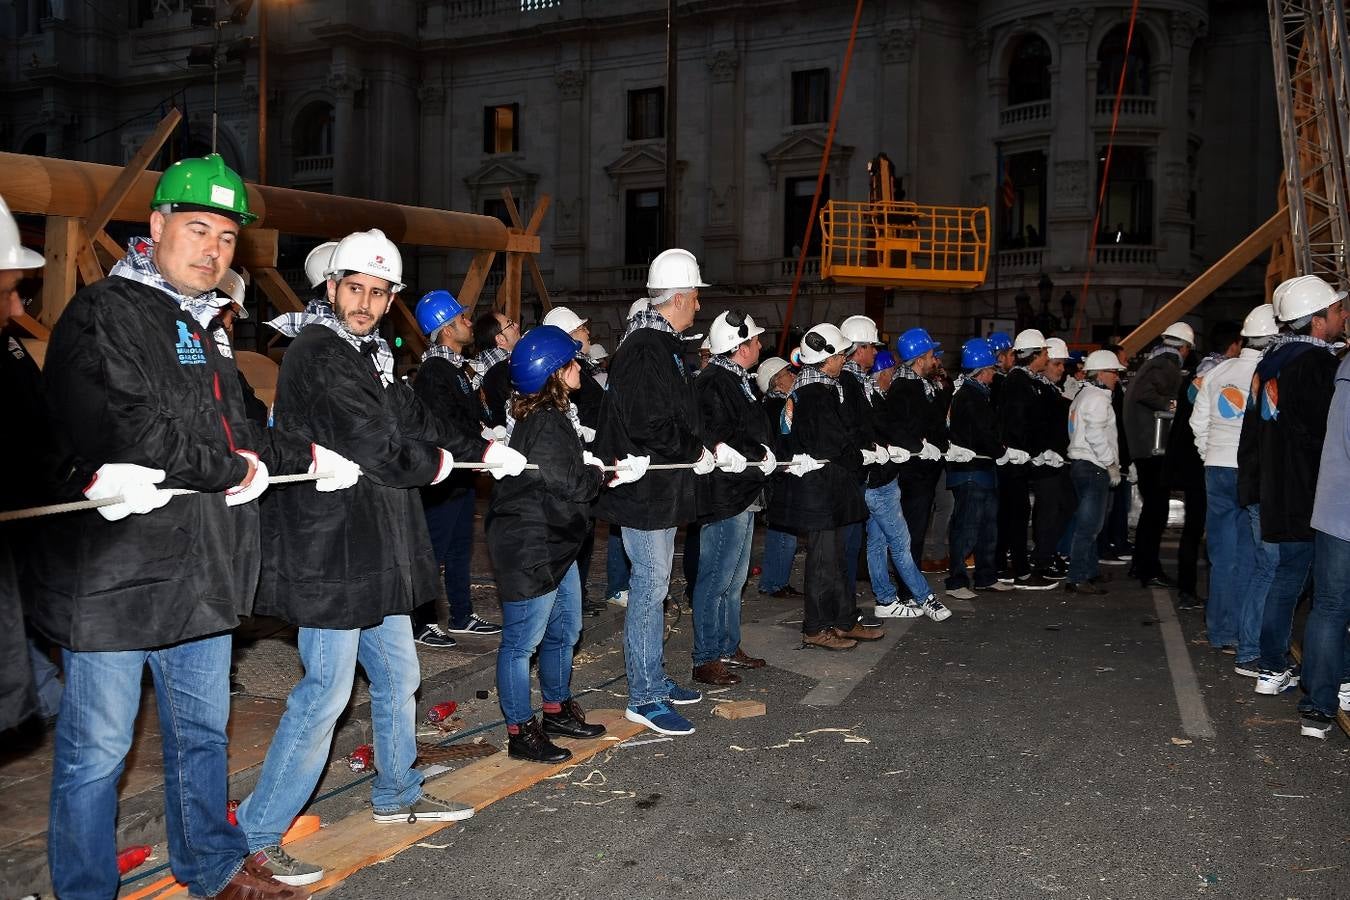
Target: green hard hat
<point>204,183</point>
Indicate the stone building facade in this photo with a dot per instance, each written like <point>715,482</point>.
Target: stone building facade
<point>1007,103</point>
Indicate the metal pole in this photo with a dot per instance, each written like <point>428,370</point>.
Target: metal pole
<point>262,91</point>
<point>672,218</point>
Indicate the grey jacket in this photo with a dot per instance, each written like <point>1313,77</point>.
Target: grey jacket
<point>1152,389</point>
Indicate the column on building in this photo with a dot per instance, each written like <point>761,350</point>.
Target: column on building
<point>1172,177</point>
<point>435,157</point>
<point>569,242</point>
<point>721,233</point>
<point>345,80</point>
<point>1071,151</point>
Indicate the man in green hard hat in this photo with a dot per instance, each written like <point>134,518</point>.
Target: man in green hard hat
<point>141,376</point>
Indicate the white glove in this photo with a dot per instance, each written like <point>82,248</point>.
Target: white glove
<point>499,433</point>
<point>587,434</point>
<point>240,494</point>
<point>869,457</point>
<point>882,456</point>
<point>801,464</point>
<point>342,472</point>
<point>1134,475</point>
<point>630,469</point>
<point>1113,471</point>
<point>898,454</point>
<point>1052,459</point>
<point>1013,456</point>
<point>503,461</point>
<point>769,463</point>
<point>445,468</point>
<point>929,452</point>
<point>729,459</point>
<point>957,454</point>
<point>706,463</point>
<point>134,484</point>
<point>487,434</point>
<point>592,460</point>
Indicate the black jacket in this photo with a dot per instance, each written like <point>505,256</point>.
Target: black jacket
<point>538,520</point>
<point>829,497</point>
<point>973,426</point>
<point>1152,389</point>
<point>1185,468</point>
<point>912,417</point>
<point>346,559</point>
<point>864,417</point>
<point>650,410</point>
<point>1283,430</point>
<point>446,392</point>
<point>1020,414</point>
<point>131,378</point>
<point>590,396</point>
<point>730,416</point>
<point>496,389</point>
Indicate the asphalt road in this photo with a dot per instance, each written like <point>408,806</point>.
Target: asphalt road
<point>1031,745</point>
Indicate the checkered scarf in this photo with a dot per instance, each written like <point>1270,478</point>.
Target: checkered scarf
<point>374,346</point>
<point>869,383</point>
<point>139,265</point>
<point>723,362</point>
<point>572,416</point>
<point>904,371</point>
<point>484,361</point>
<point>647,319</point>
<point>813,375</point>
<point>1281,339</point>
<point>1165,348</point>
<point>445,353</point>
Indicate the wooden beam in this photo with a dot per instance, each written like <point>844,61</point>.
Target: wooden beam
<point>536,219</point>
<point>1209,281</point>
<point>109,251</point>
<point>474,279</point>
<point>257,249</point>
<point>275,288</point>
<point>130,174</point>
<point>508,292</point>
<point>86,262</point>
<point>32,327</point>
<point>64,236</point>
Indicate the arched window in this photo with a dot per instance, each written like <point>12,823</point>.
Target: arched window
<point>1029,71</point>
<point>314,130</point>
<point>1111,56</point>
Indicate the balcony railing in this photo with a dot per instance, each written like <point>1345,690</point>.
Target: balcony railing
<point>1027,260</point>
<point>787,267</point>
<point>1130,106</point>
<point>1126,255</point>
<point>313,168</point>
<point>481,9</point>
<point>1022,113</point>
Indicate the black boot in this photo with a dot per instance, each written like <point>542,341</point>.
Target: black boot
<point>570,721</point>
<point>532,744</point>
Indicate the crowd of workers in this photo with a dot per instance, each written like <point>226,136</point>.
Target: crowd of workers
<point>847,447</point>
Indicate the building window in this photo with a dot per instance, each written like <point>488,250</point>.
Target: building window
<point>1111,56</point>
<point>501,128</point>
<point>797,194</point>
<point>1127,209</point>
<point>1029,71</point>
<point>314,130</point>
<point>1021,201</point>
<point>647,114</point>
<point>810,96</point>
<point>643,225</point>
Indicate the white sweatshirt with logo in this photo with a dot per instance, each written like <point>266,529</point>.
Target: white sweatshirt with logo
<point>1220,401</point>
<point>1092,427</point>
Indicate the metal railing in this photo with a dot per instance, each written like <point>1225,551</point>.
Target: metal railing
<point>905,244</point>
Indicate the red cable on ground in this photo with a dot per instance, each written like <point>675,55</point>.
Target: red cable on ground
<point>1106,176</point>
<point>820,177</point>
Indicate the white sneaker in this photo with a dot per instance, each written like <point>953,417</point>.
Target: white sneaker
<point>1345,697</point>
<point>898,610</point>
<point>1314,725</point>
<point>619,599</point>
<point>1272,683</point>
<point>933,609</point>
<point>1000,586</point>
<point>961,593</point>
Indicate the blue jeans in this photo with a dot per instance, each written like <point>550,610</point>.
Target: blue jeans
<point>93,736</point>
<point>1256,562</point>
<point>1326,651</point>
<point>1291,574</point>
<point>887,541</point>
<point>450,527</point>
<point>550,623</point>
<point>779,548</point>
<point>299,750</point>
<point>616,563</point>
<point>651,554</point>
<point>973,529</point>
<point>723,563</point>
<point>1223,521</point>
<point>1093,484</point>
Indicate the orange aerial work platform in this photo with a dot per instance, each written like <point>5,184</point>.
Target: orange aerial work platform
<point>905,245</point>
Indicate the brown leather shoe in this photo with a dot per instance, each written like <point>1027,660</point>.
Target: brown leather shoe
<point>859,633</point>
<point>828,640</point>
<point>715,673</point>
<point>742,660</point>
<point>255,882</point>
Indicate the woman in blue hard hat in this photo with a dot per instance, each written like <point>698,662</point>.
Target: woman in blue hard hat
<point>535,525</point>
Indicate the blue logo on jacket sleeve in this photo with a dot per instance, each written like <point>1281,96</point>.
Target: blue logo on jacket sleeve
<point>189,347</point>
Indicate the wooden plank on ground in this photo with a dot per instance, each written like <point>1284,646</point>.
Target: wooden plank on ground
<point>358,840</point>
<point>740,709</point>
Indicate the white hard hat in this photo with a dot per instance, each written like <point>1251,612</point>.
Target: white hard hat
<point>822,342</point>
<point>598,352</point>
<point>1260,322</point>
<point>316,264</point>
<point>768,370</point>
<point>1180,331</point>
<point>1102,361</point>
<point>705,346</point>
<point>860,330</point>
<point>1304,296</point>
<point>674,269</point>
<point>731,329</point>
<point>370,253</point>
<point>639,305</point>
<point>1029,339</point>
<point>14,255</point>
<point>233,285</point>
<point>1057,348</point>
<point>564,318</point>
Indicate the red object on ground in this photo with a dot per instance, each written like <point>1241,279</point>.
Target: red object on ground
<point>132,857</point>
<point>231,809</point>
<point>442,711</point>
<point>361,758</point>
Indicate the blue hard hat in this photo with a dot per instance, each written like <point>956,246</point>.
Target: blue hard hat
<point>977,353</point>
<point>435,309</point>
<point>913,344</point>
<point>538,354</point>
<point>1000,341</point>
<point>885,360</point>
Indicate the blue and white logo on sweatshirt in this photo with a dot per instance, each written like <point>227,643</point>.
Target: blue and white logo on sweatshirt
<point>189,347</point>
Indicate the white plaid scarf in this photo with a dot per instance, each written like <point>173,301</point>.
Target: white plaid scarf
<point>445,353</point>
<point>813,375</point>
<point>139,265</point>
<point>723,362</point>
<point>869,383</point>
<point>904,371</point>
<point>291,324</point>
<point>1281,339</point>
<point>647,319</point>
<point>484,361</point>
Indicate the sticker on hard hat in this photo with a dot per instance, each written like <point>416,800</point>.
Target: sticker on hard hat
<point>221,195</point>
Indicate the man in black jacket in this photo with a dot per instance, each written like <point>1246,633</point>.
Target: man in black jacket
<point>859,394</point>
<point>1050,481</point>
<point>444,386</point>
<point>919,409</point>
<point>348,567</point>
<point>650,410</point>
<point>140,374</point>
<point>730,416</point>
<point>1021,427</point>
<point>494,334</point>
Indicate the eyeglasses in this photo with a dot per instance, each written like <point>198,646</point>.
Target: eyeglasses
<point>501,329</point>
